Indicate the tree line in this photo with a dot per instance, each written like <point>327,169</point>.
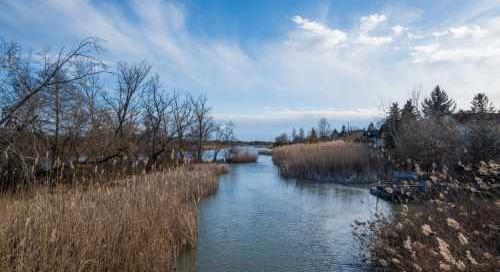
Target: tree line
<point>433,134</point>
<point>323,132</point>
<point>430,132</point>
<point>70,109</point>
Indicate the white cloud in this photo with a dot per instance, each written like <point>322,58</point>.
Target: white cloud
<point>375,40</point>
<point>439,34</point>
<point>369,23</point>
<point>432,54</point>
<point>461,32</point>
<point>398,30</point>
<point>467,31</point>
<point>324,35</point>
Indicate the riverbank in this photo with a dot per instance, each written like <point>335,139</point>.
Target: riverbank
<point>335,161</point>
<point>457,230</point>
<point>139,223</point>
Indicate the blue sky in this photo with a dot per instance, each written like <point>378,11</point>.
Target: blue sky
<point>273,65</point>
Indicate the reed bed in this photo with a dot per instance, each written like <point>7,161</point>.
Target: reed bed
<point>242,155</point>
<point>139,223</point>
<point>336,161</point>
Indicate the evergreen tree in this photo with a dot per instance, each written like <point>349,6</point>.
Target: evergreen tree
<point>313,136</point>
<point>438,104</point>
<point>409,111</point>
<point>335,133</point>
<point>481,104</point>
<point>294,136</point>
<point>343,132</point>
<point>302,135</point>
<point>391,125</point>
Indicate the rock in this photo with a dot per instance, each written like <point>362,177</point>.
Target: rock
<point>481,184</point>
<point>444,267</point>
<point>426,230</point>
<point>417,267</point>
<point>463,240</point>
<point>453,223</point>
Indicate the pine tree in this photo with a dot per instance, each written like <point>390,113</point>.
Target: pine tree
<point>343,132</point>
<point>391,125</point>
<point>294,136</point>
<point>481,104</point>
<point>438,104</point>
<point>313,136</point>
<point>409,111</point>
<point>302,135</point>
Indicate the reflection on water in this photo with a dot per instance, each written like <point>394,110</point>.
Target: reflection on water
<point>260,222</point>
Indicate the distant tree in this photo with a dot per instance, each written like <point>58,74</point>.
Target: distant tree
<point>409,112</point>
<point>282,139</point>
<point>302,135</point>
<point>323,129</point>
<point>343,131</point>
<point>224,134</point>
<point>313,136</point>
<point>294,135</point>
<point>370,130</point>
<point>438,104</point>
<point>481,104</point>
<point>335,134</point>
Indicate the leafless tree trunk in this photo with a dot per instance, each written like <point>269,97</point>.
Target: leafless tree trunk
<point>203,124</point>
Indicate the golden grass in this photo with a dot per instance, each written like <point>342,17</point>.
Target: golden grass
<point>140,223</point>
<point>243,158</point>
<point>334,161</point>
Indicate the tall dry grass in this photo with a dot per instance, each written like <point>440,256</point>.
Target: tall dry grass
<point>140,223</point>
<point>330,161</point>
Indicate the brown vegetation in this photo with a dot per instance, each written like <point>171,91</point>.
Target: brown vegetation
<point>240,154</point>
<point>458,230</point>
<point>139,223</point>
<point>336,161</point>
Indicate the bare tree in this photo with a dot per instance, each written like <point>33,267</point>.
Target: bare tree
<point>223,136</point>
<point>157,119</point>
<point>182,120</point>
<point>28,88</point>
<point>203,124</point>
<point>124,102</point>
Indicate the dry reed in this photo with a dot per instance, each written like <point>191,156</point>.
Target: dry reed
<point>140,223</point>
<point>330,161</point>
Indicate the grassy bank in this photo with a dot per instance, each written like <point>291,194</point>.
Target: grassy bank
<point>330,161</point>
<point>140,223</point>
<point>458,230</point>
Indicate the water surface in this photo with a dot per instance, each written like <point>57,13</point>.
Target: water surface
<point>258,221</point>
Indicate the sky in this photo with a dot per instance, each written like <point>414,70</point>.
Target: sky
<point>270,66</point>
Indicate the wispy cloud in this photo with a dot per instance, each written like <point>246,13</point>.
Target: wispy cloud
<point>319,34</point>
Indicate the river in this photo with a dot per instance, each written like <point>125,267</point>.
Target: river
<point>259,221</point>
